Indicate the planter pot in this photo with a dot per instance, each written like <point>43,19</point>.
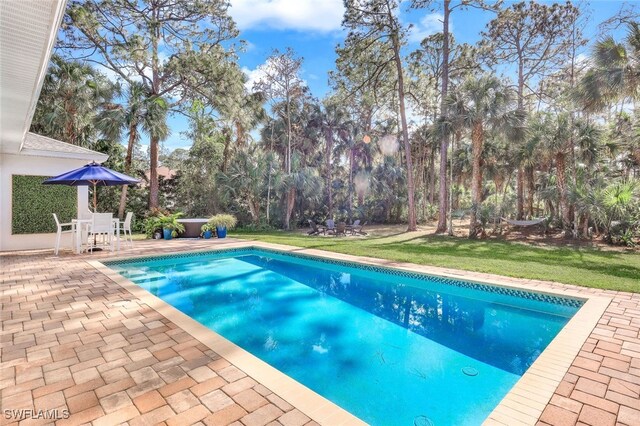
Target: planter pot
<point>207,234</point>
<point>221,231</point>
<point>167,233</point>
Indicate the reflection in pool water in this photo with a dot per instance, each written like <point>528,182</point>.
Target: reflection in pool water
<point>387,348</point>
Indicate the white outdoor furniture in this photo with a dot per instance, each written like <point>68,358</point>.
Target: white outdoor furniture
<point>80,235</point>
<point>60,232</point>
<point>125,228</point>
<point>101,225</point>
<point>82,226</point>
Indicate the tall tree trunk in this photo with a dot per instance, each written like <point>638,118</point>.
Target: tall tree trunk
<point>123,201</point>
<point>530,189</point>
<point>350,204</point>
<point>254,210</point>
<point>291,201</point>
<point>154,186</point>
<point>269,177</point>
<point>503,190</point>
<point>585,225</point>
<point>572,75</point>
<point>411,214</point>
<point>291,195</point>
<point>328,136</point>
<point>288,133</point>
<point>552,210</point>
<point>133,134</point>
<point>226,132</point>
<point>240,140</point>
<point>574,178</point>
<point>420,180</point>
<point>520,182</point>
<point>444,144</point>
<point>520,193</point>
<point>477,138</point>
<point>562,189</point>
<point>432,176</point>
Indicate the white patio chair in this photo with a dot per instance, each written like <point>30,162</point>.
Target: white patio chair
<point>60,232</point>
<point>101,225</point>
<point>125,228</point>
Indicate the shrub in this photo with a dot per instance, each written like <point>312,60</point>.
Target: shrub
<point>171,222</point>
<point>151,226</point>
<point>223,220</point>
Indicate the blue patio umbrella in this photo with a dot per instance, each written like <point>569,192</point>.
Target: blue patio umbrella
<point>92,174</point>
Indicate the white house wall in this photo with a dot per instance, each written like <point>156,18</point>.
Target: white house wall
<point>10,165</point>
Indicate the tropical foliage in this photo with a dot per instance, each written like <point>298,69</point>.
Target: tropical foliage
<point>532,121</point>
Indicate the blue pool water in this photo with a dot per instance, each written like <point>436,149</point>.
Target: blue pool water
<point>388,347</point>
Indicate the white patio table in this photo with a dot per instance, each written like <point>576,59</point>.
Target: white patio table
<point>80,225</point>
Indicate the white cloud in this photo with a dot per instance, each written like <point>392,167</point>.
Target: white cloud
<point>253,76</point>
<point>257,74</point>
<point>302,15</point>
<point>428,25</point>
<point>582,60</point>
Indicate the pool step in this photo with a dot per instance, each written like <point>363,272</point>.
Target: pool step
<point>146,276</point>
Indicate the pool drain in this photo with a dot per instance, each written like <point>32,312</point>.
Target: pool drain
<point>470,371</point>
<point>422,421</point>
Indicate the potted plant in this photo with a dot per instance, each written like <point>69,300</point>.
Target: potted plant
<point>207,230</point>
<point>153,228</point>
<point>170,225</point>
<point>222,222</point>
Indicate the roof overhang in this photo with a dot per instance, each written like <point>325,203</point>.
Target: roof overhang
<point>28,31</point>
<point>42,146</point>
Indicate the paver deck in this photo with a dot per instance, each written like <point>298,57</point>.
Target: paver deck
<point>75,341</point>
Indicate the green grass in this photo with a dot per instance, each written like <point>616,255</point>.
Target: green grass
<point>586,267</point>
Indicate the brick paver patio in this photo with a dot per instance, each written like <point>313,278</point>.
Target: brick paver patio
<point>72,339</point>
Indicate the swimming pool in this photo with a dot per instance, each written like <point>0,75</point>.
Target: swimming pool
<point>390,346</point>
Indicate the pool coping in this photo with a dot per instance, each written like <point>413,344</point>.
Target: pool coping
<point>523,404</point>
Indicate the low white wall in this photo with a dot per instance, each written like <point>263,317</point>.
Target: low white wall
<point>10,165</point>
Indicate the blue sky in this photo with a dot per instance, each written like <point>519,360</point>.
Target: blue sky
<point>312,29</point>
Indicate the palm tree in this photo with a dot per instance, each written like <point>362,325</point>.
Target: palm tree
<point>139,112</point>
<point>303,181</point>
<point>528,158</point>
<point>610,203</point>
<point>387,180</point>
<point>615,72</point>
<point>554,130</point>
<point>245,181</point>
<point>240,114</point>
<point>478,103</point>
<point>499,165</point>
<point>293,135</point>
<point>359,155</point>
<point>72,94</point>
<point>333,122</point>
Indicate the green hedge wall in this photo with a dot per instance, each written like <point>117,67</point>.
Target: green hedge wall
<point>32,204</point>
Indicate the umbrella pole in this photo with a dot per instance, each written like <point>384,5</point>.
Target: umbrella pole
<point>95,210</point>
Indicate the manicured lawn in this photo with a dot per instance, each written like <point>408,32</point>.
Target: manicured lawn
<point>581,266</point>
